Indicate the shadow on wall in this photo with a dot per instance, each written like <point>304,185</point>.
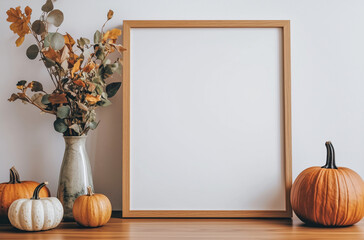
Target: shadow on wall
<point>104,146</point>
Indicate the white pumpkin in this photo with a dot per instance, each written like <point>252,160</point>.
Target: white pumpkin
<point>36,214</point>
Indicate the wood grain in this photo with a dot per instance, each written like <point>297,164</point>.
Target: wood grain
<point>286,122</point>
<point>179,229</point>
<point>126,120</point>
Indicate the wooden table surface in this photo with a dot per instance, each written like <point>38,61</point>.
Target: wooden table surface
<point>163,229</point>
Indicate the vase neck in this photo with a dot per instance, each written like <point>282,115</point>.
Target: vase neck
<point>75,140</point>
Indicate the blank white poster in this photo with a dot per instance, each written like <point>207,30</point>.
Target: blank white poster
<point>206,129</point>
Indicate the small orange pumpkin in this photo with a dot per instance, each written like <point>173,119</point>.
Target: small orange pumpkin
<point>92,210</point>
<point>328,195</point>
<point>15,189</point>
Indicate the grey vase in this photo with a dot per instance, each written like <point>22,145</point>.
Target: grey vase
<point>75,175</point>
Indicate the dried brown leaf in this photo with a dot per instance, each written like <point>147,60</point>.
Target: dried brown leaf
<point>13,97</point>
<point>57,98</point>
<point>52,54</point>
<point>110,14</point>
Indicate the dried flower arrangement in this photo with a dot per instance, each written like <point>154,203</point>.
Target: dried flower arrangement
<point>78,71</point>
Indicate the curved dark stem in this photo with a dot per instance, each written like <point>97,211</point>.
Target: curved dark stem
<point>14,176</point>
<point>37,190</point>
<point>330,159</point>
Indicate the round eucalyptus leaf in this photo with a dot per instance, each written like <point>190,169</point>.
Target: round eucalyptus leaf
<point>57,41</point>
<point>93,125</point>
<point>36,86</point>
<point>105,102</point>
<point>38,27</point>
<point>49,63</point>
<point>112,89</point>
<point>45,99</point>
<point>55,17</point>
<point>48,6</point>
<point>47,39</point>
<point>63,112</point>
<point>21,83</point>
<point>32,51</point>
<point>60,125</point>
<point>97,37</point>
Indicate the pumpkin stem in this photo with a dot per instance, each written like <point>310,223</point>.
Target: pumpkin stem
<point>37,190</point>
<point>14,176</point>
<point>330,159</point>
<point>89,191</point>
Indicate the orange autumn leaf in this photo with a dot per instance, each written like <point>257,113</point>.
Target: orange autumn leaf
<point>76,67</point>
<point>119,47</point>
<point>111,35</point>
<point>88,68</point>
<point>19,22</point>
<point>79,82</point>
<point>92,99</point>
<point>52,54</point>
<point>72,59</point>
<point>69,41</point>
<point>19,41</point>
<point>57,98</point>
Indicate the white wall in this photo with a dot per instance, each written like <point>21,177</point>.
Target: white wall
<point>327,83</point>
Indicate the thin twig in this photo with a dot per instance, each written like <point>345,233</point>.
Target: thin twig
<point>35,104</point>
<point>102,29</point>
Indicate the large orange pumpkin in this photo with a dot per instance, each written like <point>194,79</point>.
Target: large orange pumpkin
<point>328,195</point>
<point>15,189</point>
<point>92,210</point>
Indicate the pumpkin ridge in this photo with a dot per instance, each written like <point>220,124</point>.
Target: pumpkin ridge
<point>105,209</point>
<point>2,188</point>
<point>353,185</point>
<point>324,209</point>
<point>347,199</point>
<point>15,221</point>
<point>299,180</point>
<point>337,197</point>
<point>309,177</point>
<point>88,205</point>
<point>343,199</point>
<point>98,209</point>
<point>48,221</point>
<point>298,191</point>
<point>315,195</point>
<point>22,220</point>
<point>330,181</point>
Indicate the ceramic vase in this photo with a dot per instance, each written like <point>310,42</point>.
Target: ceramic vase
<point>75,175</point>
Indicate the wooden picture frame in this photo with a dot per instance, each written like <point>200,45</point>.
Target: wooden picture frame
<point>284,25</point>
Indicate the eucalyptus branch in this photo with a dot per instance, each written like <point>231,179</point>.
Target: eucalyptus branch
<point>42,55</point>
<point>35,104</point>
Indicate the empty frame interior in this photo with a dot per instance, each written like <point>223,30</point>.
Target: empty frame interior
<point>206,119</point>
